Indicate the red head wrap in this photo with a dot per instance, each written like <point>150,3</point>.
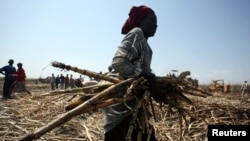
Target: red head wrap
<point>136,15</point>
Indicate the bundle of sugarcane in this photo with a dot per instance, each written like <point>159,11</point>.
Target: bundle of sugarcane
<point>171,86</point>
<point>123,91</point>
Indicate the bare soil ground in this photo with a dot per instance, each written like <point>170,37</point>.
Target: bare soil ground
<point>24,113</point>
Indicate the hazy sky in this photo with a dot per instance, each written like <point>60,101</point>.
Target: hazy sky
<point>209,38</point>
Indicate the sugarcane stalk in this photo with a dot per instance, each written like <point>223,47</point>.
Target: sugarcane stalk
<point>152,108</point>
<point>194,94</point>
<point>135,114</point>
<point>86,97</point>
<point>76,111</point>
<point>183,75</point>
<point>88,89</point>
<point>85,72</point>
<point>180,122</point>
<point>145,118</point>
<point>198,90</point>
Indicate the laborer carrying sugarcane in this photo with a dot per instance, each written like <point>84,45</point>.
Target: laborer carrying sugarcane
<point>132,60</point>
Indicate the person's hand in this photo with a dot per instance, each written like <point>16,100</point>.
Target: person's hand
<point>154,87</point>
<point>13,75</point>
<point>110,68</point>
<point>148,75</point>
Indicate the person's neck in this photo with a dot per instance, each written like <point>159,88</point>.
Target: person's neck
<point>145,36</point>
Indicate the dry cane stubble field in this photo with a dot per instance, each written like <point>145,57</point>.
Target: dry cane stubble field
<point>24,113</point>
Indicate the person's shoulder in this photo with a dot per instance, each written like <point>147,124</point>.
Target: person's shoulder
<point>7,66</point>
<point>136,30</point>
<point>4,68</point>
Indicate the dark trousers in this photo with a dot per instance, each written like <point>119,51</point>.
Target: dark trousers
<point>119,133</point>
<point>6,89</point>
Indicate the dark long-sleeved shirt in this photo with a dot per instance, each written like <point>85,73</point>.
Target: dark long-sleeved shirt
<point>8,71</point>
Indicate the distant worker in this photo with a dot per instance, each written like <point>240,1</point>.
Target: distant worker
<point>81,78</point>
<point>62,81</point>
<point>71,81</point>
<point>53,82</point>
<point>78,82</point>
<point>8,79</point>
<point>57,81</point>
<point>97,78</point>
<point>20,76</point>
<point>66,81</point>
<point>244,88</point>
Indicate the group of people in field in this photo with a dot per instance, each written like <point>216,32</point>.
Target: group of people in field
<point>65,82</point>
<point>61,81</point>
<point>14,79</point>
